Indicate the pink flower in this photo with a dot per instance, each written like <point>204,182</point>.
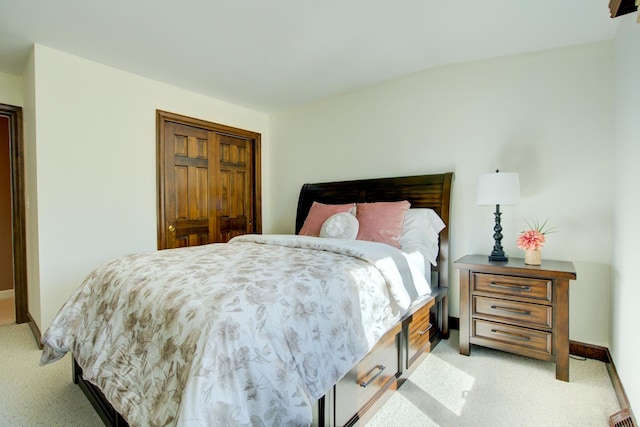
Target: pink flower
<point>531,239</point>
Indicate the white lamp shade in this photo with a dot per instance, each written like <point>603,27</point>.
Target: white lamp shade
<point>500,188</point>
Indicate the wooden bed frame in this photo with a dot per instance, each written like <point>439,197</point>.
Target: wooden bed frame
<point>372,381</point>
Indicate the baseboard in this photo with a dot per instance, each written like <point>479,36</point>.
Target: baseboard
<point>35,331</point>
<point>9,293</point>
<point>623,400</point>
<point>588,351</point>
<point>602,354</point>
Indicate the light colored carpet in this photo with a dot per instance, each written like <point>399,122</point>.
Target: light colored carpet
<point>489,388</point>
<point>493,388</point>
<point>34,396</point>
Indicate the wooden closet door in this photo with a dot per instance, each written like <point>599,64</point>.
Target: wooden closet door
<point>208,182</point>
<point>235,210</point>
<point>189,193</point>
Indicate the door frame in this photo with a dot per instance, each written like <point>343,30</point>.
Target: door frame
<point>18,203</point>
<point>162,117</point>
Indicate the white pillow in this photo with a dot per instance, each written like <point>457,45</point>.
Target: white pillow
<point>434,219</point>
<point>342,225</point>
<point>421,233</point>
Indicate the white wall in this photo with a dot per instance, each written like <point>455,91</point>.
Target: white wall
<point>545,115</point>
<point>31,196</point>
<point>95,155</point>
<point>625,345</point>
<point>10,89</point>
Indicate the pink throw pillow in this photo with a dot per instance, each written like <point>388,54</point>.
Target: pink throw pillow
<point>318,214</point>
<point>381,221</point>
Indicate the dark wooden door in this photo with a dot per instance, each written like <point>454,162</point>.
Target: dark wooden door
<point>235,210</point>
<point>208,181</point>
<point>18,210</point>
<point>188,177</point>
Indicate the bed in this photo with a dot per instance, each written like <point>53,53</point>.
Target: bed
<point>309,355</point>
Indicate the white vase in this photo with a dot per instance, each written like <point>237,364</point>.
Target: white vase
<point>533,256</point>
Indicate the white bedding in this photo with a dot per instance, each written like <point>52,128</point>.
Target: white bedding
<point>247,333</point>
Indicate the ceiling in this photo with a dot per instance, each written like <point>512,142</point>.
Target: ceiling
<point>270,55</point>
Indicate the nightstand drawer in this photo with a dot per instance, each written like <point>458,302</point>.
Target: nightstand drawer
<point>513,335</point>
<point>522,287</point>
<point>524,313</point>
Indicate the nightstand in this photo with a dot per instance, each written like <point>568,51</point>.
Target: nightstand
<point>515,307</point>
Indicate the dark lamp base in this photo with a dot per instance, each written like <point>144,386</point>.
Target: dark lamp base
<point>497,254</point>
<point>498,258</point>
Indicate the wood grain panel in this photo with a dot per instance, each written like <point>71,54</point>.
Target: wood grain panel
<point>180,145</point>
<point>526,314</point>
<point>225,153</point>
<point>181,194</point>
<point>224,182</point>
<point>524,288</point>
<point>239,188</point>
<point>235,202</point>
<point>200,148</point>
<point>420,330</point>
<point>511,338</point>
<point>201,205</point>
<point>371,376</point>
<point>181,241</point>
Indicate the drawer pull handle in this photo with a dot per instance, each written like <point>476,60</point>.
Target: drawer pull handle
<point>511,335</point>
<point>380,368</point>
<point>424,331</point>
<point>511,310</point>
<point>510,287</point>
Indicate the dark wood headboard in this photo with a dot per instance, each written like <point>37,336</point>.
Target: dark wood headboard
<point>422,191</point>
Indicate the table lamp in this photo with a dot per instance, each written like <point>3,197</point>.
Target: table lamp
<point>500,188</point>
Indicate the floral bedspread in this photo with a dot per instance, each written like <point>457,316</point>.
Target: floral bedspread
<point>248,333</point>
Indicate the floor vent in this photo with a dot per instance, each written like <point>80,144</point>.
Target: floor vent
<point>621,419</point>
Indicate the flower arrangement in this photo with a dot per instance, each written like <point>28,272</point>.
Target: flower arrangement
<point>534,238</point>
